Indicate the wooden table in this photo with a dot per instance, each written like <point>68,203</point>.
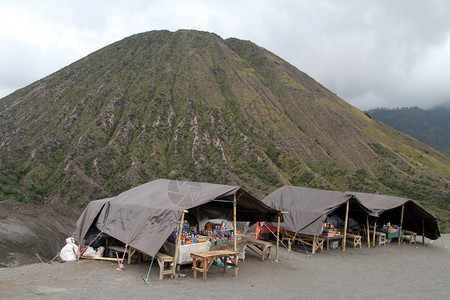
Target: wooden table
<point>332,238</point>
<point>392,235</point>
<point>206,259</point>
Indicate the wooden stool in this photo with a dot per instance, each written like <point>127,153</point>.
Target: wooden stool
<point>354,239</point>
<point>164,259</point>
<point>381,237</point>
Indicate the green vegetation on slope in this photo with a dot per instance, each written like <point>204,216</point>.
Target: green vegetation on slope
<point>189,105</point>
<point>429,126</point>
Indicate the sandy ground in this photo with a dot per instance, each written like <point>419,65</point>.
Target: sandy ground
<point>389,272</point>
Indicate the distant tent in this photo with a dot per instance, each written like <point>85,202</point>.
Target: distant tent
<point>144,217</point>
<point>308,208</point>
<point>389,208</point>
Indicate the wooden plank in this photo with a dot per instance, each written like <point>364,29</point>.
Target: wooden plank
<point>100,258</point>
<point>163,256</point>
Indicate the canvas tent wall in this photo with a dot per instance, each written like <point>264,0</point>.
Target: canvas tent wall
<point>308,208</point>
<point>87,218</point>
<point>389,209</point>
<point>143,217</point>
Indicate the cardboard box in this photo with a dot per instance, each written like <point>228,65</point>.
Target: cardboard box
<point>335,244</point>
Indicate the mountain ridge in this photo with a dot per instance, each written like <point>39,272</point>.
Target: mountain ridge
<point>431,126</point>
<point>190,105</point>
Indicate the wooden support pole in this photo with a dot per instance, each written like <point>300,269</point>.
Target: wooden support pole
<point>278,236</point>
<point>368,231</point>
<point>401,225</point>
<point>314,245</point>
<point>177,248</point>
<point>234,223</point>
<point>344,242</point>
<point>423,232</point>
<point>374,230</point>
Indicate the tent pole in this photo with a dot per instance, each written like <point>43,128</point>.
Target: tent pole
<point>401,224</point>
<point>423,232</point>
<point>344,242</point>
<point>177,248</point>
<point>234,223</point>
<point>368,231</point>
<point>374,230</point>
<point>314,245</point>
<point>278,236</point>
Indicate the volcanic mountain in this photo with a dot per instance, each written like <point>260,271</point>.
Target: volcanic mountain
<point>189,105</point>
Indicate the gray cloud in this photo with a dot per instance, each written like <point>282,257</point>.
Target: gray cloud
<point>372,54</point>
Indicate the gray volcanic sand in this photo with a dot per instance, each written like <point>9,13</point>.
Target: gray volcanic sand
<point>388,272</point>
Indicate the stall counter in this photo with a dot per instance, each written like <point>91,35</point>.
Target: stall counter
<point>184,256</point>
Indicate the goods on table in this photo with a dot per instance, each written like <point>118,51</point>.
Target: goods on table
<point>390,228</point>
<point>329,230</point>
<point>214,233</point>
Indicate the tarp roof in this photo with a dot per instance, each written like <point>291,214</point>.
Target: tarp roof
<point>143,217</point>
<point>388,208</point>
<point>308,208</point>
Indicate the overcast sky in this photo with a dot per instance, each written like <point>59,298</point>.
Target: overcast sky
<point>370,53</point>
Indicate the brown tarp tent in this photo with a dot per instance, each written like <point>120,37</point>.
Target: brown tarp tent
<point>389,209</point>
<point>144,217</point>
<point>308,208</point>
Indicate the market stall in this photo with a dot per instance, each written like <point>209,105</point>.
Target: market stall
<point>145,216</point>
<point>212,237</point>
<point>409,215</point>
<point>308,209</point>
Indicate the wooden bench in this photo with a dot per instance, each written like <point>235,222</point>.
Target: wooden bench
<point>261,248</point>
<point>130,252</point>
<point>380,238</point>
<point>412,236</point>
<point>315,242</point>
<point>165,261</point>
<point>354,239</point>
